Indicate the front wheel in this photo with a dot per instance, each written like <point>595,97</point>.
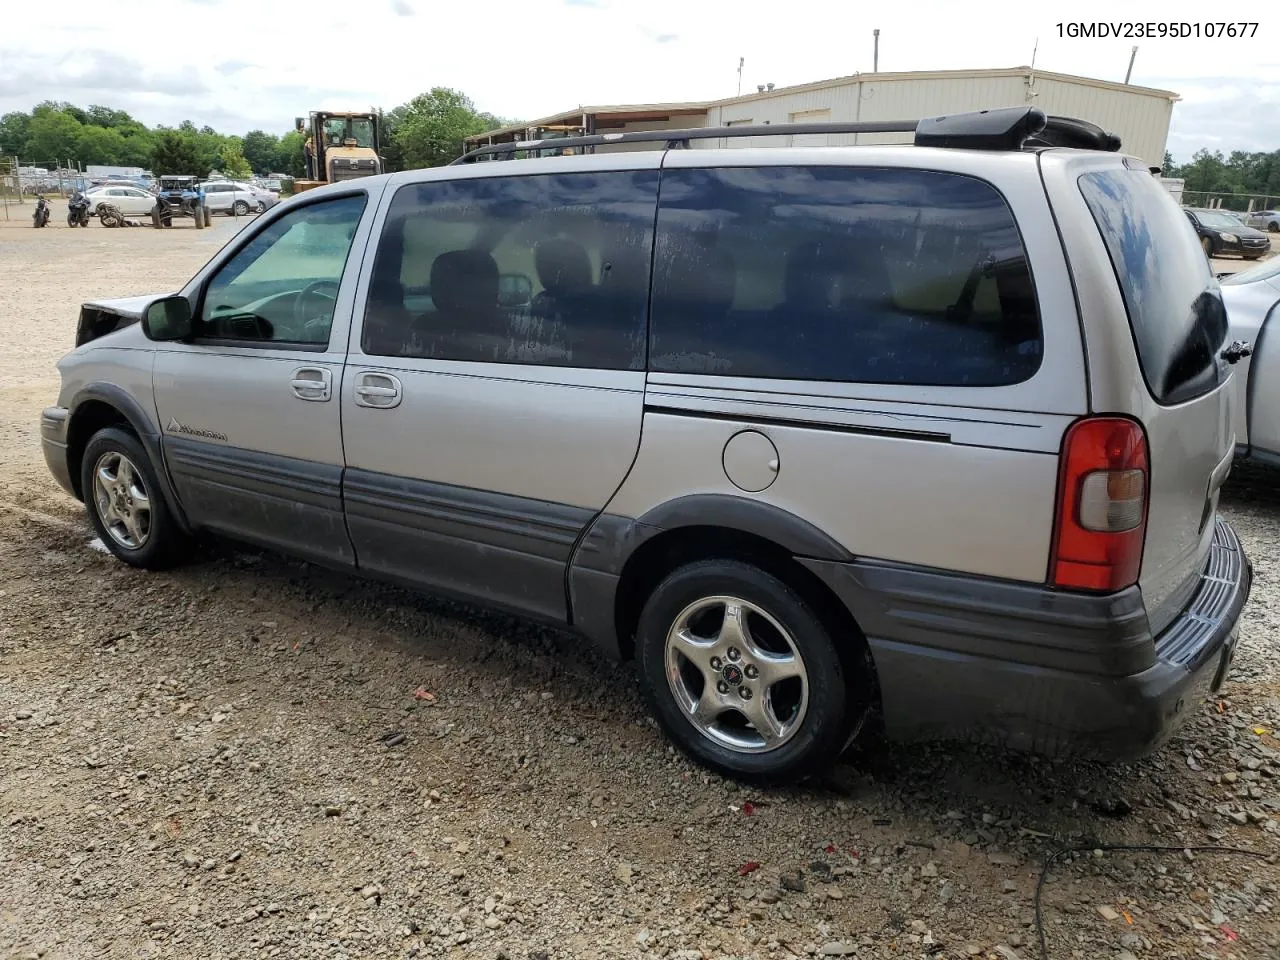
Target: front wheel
<point>742,674</point>
<point>125,505</point>
<point>261,207</point>
<point>1207,244</point>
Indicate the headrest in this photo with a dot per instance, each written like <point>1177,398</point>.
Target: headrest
<point>563,266</point>
<point>464,280</point>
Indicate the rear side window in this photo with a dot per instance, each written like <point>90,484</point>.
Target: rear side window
<point>1175,311</point>
<point>544,269</point>
<point>841,274</point>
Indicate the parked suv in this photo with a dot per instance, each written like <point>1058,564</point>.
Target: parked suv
<point>237,199</point>
<point>921,439</point>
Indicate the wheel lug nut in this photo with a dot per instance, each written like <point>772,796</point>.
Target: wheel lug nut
<point>716,663</point>
<point>751,672</point>
<point>744,692</point>
<point>734,654</point>
<point>722,687</point>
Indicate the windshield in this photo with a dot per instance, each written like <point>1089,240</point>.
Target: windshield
<point>1218,220</point>
<point>362,130</point>
<point>1263,271</point>
<point>338,129</point>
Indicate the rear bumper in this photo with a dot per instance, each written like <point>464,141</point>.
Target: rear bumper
<point>1038,670</point>
<point>53,440</point>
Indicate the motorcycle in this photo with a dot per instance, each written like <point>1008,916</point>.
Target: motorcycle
<point>78,210</point>
<point>41,215</point>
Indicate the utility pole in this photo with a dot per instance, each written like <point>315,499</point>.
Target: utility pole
<point>741,61</point>
<point>1128,73</point>
<point>875,55</point>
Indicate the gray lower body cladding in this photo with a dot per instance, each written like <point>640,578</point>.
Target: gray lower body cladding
<point>1037,670</point>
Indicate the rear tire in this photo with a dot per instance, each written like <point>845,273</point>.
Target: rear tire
<point>240,208</point>
<point>1273,227</point>
<point>123,498</point>
<point>742,673</point>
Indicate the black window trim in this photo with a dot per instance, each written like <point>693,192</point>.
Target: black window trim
<point>248,236</point>
<point>718,164</point>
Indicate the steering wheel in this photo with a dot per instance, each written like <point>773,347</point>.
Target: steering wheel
<point>317,289</point>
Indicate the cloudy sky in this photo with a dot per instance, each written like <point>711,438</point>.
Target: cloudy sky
<point>259,63</point>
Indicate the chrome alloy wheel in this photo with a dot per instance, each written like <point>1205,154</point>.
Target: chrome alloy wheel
<point>737,674</point>
<point>121,498</point>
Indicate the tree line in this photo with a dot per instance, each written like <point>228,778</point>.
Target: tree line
<point>1234,179</point>
<point>427,131</point>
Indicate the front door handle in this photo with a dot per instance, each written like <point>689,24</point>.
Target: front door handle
<point>312,383</point>
<point>379,390</point>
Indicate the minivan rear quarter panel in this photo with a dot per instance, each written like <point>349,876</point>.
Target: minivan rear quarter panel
<point>957,478</point>
<point>1190,442</point>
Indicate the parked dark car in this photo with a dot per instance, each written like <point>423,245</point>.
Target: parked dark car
<point>1221,232</point>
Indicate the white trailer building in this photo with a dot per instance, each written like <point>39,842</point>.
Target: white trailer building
<point>1138,115</point>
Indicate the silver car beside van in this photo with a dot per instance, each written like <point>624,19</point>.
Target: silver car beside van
<point>922,439</point>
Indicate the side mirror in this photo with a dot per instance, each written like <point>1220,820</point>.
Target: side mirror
<point>168,319</point>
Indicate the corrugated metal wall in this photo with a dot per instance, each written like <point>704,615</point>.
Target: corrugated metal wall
<point>1141,120</point>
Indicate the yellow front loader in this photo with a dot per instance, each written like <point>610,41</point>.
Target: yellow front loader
<point>340,146</point>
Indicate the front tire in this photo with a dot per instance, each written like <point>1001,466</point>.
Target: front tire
<point>1207,244</point>
<point>125,505</point>
<point>742,674</point>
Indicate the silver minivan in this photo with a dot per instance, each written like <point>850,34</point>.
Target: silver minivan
<point>924,440</point>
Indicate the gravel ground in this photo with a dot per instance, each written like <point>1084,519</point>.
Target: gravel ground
<point>251,757</point>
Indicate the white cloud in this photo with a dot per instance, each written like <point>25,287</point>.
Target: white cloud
<point>258,63</point>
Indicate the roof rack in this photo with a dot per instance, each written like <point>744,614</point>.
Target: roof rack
<point>1008,128</point>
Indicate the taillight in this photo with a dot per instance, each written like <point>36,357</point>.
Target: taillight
<point>1102,505</point>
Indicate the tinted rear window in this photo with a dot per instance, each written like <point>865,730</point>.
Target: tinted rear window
<point>842,274</point>
<point>1175,310</point>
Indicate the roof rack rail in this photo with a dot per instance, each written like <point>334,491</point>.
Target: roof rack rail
<point>1008,128</point>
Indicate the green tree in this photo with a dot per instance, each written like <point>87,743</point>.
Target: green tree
<point>289,158</point>
<point>107,117</point>
<point>1168,168</point>
<point>100,145</point>
<point>176,154</point>
<point>434,124</point>
<point>389,147</point>
<point>52,137</point>
<point>14,130</point>
<point>260,150</point>
<point>138,148</point>
<point>234,165</point>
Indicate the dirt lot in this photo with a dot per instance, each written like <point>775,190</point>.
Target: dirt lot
<point>230,761</point>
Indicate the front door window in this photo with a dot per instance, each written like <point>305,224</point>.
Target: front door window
<point>281,288</point>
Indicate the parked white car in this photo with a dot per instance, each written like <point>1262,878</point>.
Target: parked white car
<point>240,199</point>
<point>1268,220</point>
<point>1252,299</point>
<point>131,201</point>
